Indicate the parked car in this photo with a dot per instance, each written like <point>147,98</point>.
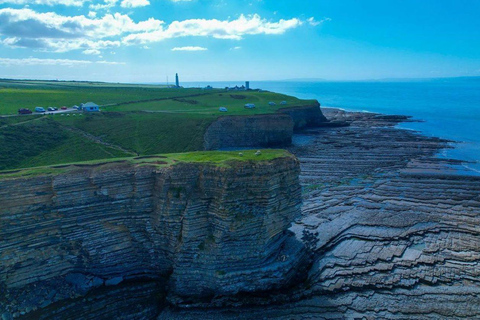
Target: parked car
<point>76,107</point>
<point>24,111</point>
<point>249,106</point>
<point>51,109</point>
<point>271,103</point>
<point>223,109</point>
<point>39,109</point>
<point>63,108</point>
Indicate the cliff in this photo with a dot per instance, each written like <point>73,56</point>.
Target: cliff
<point>249,131</point>
<point>268,130</point>
<point>306,116</point>
<point>189,231</point>
<point>394,231</point>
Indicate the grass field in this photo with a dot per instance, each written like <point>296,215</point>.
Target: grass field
<point>135,120</point>
<point>30,94</point>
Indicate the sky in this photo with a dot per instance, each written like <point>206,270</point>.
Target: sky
<point>222,40</point>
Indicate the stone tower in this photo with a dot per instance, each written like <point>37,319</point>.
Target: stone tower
<point>177,83</point>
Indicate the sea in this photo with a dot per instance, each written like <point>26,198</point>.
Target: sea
<point>449,108</point>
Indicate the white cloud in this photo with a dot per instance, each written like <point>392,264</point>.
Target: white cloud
<point>52,25</point>
<point>107,4</point>
<point>134,3</point>
<point>52,32</point>
<point>51,62</point>
<point>226,29</point>
<point>92,51</point>
<point>49,31</point>
<point>92,14</point>
<point>315,23</point>
<point>109,62</point>
<point>189,48</point>
<point>236,48</point>
<point>76,3</point>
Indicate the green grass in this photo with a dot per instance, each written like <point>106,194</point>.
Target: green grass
<point>225,157</point>
<point>216,158</point>
<point>20,142</point>
<point>15,95</point>
<point>135,119</point>
<point>209,104</point>
<point>144,133</point>
<point>44,142</point>
<point>75,148</point>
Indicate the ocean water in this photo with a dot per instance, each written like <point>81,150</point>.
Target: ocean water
<point>450,108</point>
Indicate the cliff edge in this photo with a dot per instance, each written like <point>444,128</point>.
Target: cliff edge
<point>189,231</point>
<point>262,130</point>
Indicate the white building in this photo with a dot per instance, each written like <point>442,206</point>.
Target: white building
<point>90,107</point>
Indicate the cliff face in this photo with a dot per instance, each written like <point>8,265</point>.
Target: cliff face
<point>204,230</point>
<point>262,130</point>
<point>304,117</point>
<point>251,131</point>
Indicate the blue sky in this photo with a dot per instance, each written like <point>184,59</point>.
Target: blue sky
<point>215,40</point>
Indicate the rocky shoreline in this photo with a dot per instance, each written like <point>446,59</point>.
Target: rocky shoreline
<point>393,230</point>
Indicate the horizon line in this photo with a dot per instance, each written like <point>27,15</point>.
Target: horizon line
<point>242,81</point>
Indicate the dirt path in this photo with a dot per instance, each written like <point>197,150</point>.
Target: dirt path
<point>20,123</point>
<point>96,139</point>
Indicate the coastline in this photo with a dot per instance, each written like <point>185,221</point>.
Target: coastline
<point>383,220</point>
<point>462,165</point>
<point>391,227</point>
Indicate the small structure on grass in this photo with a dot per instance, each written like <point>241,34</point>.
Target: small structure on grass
<point>223,109</point>
<point>250,106</point>
<point>90,107</point>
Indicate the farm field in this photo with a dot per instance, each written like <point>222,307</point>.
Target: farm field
<point>135,120</point>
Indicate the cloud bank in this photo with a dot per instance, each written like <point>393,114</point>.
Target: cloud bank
<point>26,28</point>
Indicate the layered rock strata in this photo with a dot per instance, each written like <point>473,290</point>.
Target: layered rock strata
<point>306,117</point>
<point>269,130</point>
<point>272,130</point>
<point>394,230</point>
<point>111,230</point>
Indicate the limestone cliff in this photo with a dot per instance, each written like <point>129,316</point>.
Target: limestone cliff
<point>268,130</point>
<point>306,116</point>
<point>394,230</point>
<point>251,131</point>
<point>190,231</point>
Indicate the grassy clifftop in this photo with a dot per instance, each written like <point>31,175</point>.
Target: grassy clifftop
<point>217,158</point>
<point>136,120</point>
